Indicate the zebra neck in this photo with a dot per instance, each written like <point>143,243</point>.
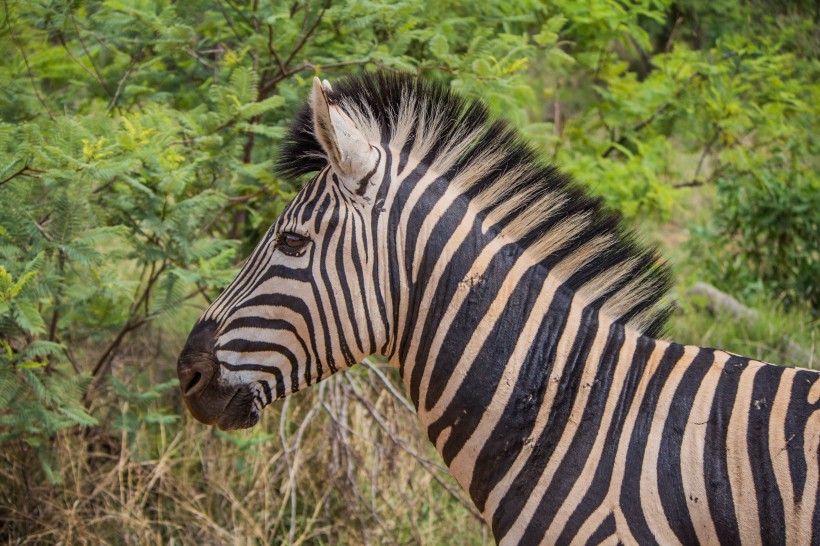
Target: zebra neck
<point>497,353</point>
<point>498,406</point>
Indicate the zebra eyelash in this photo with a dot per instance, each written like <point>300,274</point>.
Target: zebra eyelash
<point>292,243</point>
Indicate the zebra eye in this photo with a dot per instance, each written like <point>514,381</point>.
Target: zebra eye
<point>291,243</point>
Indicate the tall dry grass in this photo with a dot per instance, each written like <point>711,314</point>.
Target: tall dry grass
<point>343,463</point>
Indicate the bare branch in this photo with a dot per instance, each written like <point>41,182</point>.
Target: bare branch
<point>120,85</point>
<point>690,184</point>
<point>87,54</point>
<point>25,170</point>
<point>273,52</point>
<point>90,72</point>
<point>25,60</point>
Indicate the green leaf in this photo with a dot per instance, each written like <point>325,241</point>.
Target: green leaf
<point>28,317</point>
<point>40,348</point>
<point>79,416</point>
<point>244,85</point>
<point>439,46</point>
<point>256,108</point>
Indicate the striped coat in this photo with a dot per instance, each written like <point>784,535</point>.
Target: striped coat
<point>523,319</point>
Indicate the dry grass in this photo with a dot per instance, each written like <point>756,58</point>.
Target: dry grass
<point>343,463</point>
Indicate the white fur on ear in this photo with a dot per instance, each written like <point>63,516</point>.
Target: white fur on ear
<point>350,155</point>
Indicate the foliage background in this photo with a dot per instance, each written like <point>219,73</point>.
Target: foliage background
<point>136,145</point>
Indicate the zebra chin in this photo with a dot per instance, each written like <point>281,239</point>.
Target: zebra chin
<point>226,408</point>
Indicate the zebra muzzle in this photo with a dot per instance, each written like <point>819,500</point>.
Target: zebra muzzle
<point>209,399</point>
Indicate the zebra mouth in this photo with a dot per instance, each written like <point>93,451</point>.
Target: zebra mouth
<point>210,400</point>
<point>240,411</point>
<point>227,408</point>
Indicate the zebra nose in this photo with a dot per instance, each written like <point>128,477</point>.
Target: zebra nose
<point>197,366</point>
<point>195,375</point>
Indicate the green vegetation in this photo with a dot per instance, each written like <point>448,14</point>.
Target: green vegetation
<point>136,146</point>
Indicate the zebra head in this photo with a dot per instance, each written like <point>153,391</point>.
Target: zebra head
<point>301,308</point>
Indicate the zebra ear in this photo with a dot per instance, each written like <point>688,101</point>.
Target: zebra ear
<point>350,155</point>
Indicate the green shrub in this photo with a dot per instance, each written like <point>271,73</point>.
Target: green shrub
<point>763,238</point>
<point>136,148</point>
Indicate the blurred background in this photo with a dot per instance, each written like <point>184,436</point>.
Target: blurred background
<point>137,140</point>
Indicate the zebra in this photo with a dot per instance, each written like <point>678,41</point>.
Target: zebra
<point>524,320</point>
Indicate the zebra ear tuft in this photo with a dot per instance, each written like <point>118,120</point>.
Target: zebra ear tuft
<point>350,155</point>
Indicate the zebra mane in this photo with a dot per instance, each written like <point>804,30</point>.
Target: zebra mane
<point>583,244</point>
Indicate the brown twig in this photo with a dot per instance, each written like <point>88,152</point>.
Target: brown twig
<point>273,52</point>
<point>85,49</point>
<point>120,85</point>
<point>25,60</point>
<point>25,170</point>
<point>267,86</point>
<point>706,151</point>
<point>90,72</point>
<point>690,184</point>
<point>229,21</point>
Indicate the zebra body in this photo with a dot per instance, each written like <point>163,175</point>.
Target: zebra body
<point>522,320</point>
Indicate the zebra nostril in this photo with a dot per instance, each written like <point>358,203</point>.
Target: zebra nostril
<point>194,380</point>
<point>195,376</point>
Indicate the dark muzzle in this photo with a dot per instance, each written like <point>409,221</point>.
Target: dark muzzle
<point>206,396</point>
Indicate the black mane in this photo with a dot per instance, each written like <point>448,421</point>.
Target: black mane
<point>381,95</point>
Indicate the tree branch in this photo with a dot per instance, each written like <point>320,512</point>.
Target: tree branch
<point>690,184</point>
<point>120,85</point>
<point>90,72</point>
<point>265,88</point>
<point>273,52</point>
<point>25,60</point>
<point>87,54</point>
<point>23,171</point>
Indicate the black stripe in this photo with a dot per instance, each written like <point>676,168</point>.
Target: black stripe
<point>272,370</point>
<point>440,233</point>
<point>260,346</point>
<point>518,418</point>
<point>769,500</point>
<point>345,291</point>
<point>404,155</point>
<point>362,189</point>
<point>307,199</point>
<point>716,469</point>
<point>799,413</point>
<point>671,491</point>
<point>482,379</point>
<point>630,500</point>
<point>456,269</point>
<point>378,210</point>
<point>583,440</point>
<point>567,388</point>
<point>360,298</point>
<point>398,291</point>
<point>603,532</point>
<point>330,226</point>
<point>324,207</point>
<point>474,308</point>
<point>246,346</point>
<point>266,389</point>
<point>296,305</point>
<point>599,488</point>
